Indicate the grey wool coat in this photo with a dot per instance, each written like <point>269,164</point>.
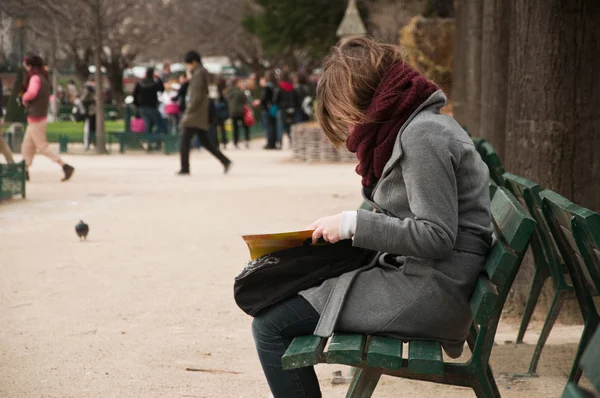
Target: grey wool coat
<point>433,215</point>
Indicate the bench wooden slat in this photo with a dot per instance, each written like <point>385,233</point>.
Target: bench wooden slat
<point>512,219</point>
<point>499,263</point>
<point>304,351</point>
<point>345,349</point>
<point>483,300</point>
<point>425,357</point>
<point>384,352</point>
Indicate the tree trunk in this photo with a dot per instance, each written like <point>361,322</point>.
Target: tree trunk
<point>553,124</point>
<point>494,72</point>
<point>82,70</point>
<point>55,47</point>
<point>473,11</point>
<point>459,91</point>
<point>100,139</point>
<point>115,77</point>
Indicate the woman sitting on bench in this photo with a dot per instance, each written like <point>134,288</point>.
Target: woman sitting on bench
<point>432,225</point>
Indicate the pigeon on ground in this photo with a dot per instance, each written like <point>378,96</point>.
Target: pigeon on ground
<point>82,230</point>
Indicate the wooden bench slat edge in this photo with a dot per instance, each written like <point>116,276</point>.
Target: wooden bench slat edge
<point>345,348</point>
<point>385,353</point>
<point>425,357</point>
<point>303,351</point>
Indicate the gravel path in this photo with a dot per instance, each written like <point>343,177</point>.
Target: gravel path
<point>150,293</point>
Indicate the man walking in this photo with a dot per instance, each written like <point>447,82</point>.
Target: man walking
<point>195,118</point>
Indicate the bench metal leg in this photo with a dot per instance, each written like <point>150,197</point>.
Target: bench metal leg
<point>557,302</point>
<point>486,384</point>
<point>537,284</point>
<point>588,332</point>
<point>364,383</point>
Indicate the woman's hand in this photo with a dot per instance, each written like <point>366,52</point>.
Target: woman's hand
<point>327,228</point>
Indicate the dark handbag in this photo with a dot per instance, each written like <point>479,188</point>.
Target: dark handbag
<point>275,277</point>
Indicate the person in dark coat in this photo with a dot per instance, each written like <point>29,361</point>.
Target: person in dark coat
<point>88,100</point>
<point>286,100</point>
<point>4,148</point>
<point>237,101</point>
<point>195,120</point>
<point>180,100</point>
<point>305,96</point>
<point>222,111</point>
<point>269,121</point>
<point>145,97</point>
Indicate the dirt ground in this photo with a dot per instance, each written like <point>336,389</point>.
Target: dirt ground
<point>150,293</point>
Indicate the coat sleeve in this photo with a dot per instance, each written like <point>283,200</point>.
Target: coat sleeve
<point>33,89</point>
<point>197,91</point>
<point>428,170</point>
<point>136,94</point>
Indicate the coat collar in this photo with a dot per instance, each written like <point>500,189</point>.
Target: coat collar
<point>436,101</point>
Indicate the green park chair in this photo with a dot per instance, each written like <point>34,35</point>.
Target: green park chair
<point>548,264</point>
<point>590,364</point>
<point>491,159</point>
<point>374,356</point>
<point>12,180</point>
<point>576,231</point>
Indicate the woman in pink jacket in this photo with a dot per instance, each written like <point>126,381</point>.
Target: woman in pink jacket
<point>36,100</point>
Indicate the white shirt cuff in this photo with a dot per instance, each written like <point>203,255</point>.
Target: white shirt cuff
<point>348,224</point>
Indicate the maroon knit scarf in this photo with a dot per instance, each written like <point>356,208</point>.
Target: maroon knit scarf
<point>398,95</point>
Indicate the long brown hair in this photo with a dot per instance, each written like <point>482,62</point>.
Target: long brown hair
<point>351,73</point>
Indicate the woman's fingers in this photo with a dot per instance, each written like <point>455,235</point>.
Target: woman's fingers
<point>317,234</point>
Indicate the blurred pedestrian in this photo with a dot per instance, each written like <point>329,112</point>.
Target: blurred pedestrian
<point>72,91</point>
<point>237,101</point>
<point>145,97</point>
<point>181,101</point>
<point>88,100</point>
<point>195,119</point>
<point>305,96</point>
<point>222,108</point>
<point>4,148</point>
<point>269,118</point>
<point>287,102</point>
<point>36,100</point>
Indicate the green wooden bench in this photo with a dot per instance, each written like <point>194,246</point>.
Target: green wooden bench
<point>576,231</point>
<point>590,364</point>
<point>12,180</point>
<point>168,142</point>
<point>374,356</point>
<point>548,264</point>
<point>491,159</point>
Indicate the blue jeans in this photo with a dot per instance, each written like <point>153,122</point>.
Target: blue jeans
<point>270,126</point>
<point>274,329</point>
<point>152,118</point>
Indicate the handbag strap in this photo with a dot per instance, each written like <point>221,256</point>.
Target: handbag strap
<point>335,301</point>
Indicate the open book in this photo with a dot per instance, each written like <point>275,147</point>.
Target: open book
<point>260,245</point>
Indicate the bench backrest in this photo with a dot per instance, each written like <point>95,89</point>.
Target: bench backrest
<point>545,251</point>
<point>513,228</point>
<point>491,159</point>
<point>576,231</point>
